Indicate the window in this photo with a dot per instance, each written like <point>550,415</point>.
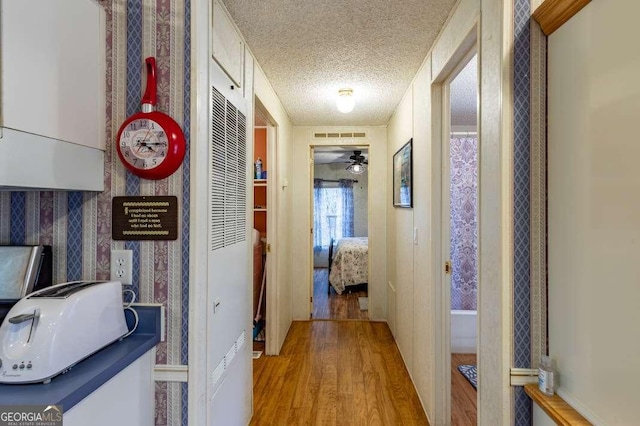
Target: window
<point>333,214</point>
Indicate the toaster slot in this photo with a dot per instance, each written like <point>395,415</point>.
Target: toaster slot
<point>66,290</point>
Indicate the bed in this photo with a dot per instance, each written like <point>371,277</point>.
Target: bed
<point>349,266</point>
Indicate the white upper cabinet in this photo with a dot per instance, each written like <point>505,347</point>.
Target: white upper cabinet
<point>52,92</point>
<point>227,45</point>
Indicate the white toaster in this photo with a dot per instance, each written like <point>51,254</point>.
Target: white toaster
<point>50,330</point>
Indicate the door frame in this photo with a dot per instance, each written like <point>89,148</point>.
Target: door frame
<point>446,209</point>
<point>312,148</point>
<point>271,264</point>
<point>440,136</point>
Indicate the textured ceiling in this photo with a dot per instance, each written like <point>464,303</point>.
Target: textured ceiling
<point>311,48</point>
<point>464,95</point>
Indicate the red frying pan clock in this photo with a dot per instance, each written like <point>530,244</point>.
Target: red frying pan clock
<point>150,143</point>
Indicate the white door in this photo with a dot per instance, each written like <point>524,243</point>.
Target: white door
<point>229,334</point>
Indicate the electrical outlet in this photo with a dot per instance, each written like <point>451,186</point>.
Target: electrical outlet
<point>122,266</point>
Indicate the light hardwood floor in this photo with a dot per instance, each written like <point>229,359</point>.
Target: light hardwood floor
<point>335,373</point>
<point>463,395</point>
<point>334,306</point>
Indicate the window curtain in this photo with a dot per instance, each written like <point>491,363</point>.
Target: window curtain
<point>318,216</point>
<point>346,187</point>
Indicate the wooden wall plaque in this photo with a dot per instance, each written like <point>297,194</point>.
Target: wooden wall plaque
<point>144,218</point>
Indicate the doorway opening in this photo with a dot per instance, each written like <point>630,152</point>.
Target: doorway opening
<point>264,231</point>
<point>460,183</point>
<point>340,204</point>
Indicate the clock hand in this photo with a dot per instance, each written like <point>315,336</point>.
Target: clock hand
<point>146,136</point>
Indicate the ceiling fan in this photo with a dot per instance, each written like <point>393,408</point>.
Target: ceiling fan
<point>358,163</point>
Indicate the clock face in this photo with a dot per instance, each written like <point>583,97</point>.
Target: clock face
<point>143,144</point>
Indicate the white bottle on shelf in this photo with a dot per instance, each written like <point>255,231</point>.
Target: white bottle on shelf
<point>545,376</point>
<point>258,168</point>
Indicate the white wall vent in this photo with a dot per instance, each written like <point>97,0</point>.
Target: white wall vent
<point>341,135</point>
<point>228,173</point>
<point>225,363</point>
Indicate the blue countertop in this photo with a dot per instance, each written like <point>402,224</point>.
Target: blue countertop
<point>88,375</point>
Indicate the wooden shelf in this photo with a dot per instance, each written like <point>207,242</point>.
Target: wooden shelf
<point>259,182</point>
<point>555,407</point>
<point>551,14</point>
<point>259,210</point>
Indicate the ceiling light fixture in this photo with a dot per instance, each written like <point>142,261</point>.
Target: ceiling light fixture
<point>357,169</point>
<point>358,163</point>
<point>345,101</point>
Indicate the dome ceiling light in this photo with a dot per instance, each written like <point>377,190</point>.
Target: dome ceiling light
<point>345,101</point>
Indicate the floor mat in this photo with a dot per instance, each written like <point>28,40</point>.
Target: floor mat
<point>257,354</point>
<point>364,303</point>
<point>470,372</point>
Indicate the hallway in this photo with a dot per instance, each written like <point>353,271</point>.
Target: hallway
<point>335,373</point>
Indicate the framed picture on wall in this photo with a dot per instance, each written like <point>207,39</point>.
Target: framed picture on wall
<point>402,176</point>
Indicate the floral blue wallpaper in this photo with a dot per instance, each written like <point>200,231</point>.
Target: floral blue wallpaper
<point>464,222</point>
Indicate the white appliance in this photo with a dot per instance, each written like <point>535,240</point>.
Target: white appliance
<point>50,330</point>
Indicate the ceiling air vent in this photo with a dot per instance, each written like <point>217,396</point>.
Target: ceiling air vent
<point>342,135</point>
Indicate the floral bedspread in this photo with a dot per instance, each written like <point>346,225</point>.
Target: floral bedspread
<point>350,263</point>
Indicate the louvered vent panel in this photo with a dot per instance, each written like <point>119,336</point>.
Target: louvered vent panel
<point>218,148</point>
<point>228,173</point>
<point>241,218</point>
<point>339,135</point>
<point>231,178</point>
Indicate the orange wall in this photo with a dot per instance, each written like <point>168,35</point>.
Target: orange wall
<point>260,147</point>
<point>260,192</point>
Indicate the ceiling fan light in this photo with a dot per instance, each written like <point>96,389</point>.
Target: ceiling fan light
<point>345,101</point>
<point>357,169</point>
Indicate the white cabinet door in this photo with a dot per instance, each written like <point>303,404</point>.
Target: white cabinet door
<point>125,400</point>
<point>53,69</point>
<point>227,45</point>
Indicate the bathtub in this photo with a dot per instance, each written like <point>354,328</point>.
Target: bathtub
<point>464,329</point>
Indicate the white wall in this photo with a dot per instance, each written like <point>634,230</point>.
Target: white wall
<point>400,235</point>
<point>300,221</point>
<point>414,269</point>
<point>281,301</point>
<point>594,210</point>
